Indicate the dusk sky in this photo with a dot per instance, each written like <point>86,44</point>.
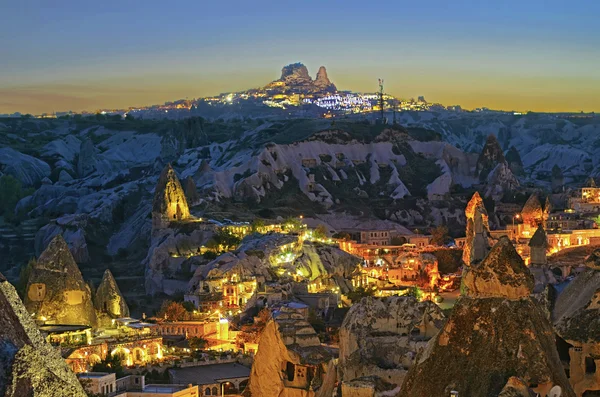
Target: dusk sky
<point>512,55</point>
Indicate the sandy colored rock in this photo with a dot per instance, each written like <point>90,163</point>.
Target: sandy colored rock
<point>492,335</point>
<point>502,274</point>
<point>290,361</point>
<point>56,290</point>
<point>478,230</point>
<point>29,366</point>
<point>532,212</point>
<point>169,202</point>
<point>108,298</point>
<point>380,338</point>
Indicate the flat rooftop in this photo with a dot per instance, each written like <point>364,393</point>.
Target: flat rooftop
<point>93,374</point>
<point>210,374</point>
<point>166,389</point>
<point>60,328</point>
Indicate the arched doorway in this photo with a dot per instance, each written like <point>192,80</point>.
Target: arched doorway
<point>139,355</point>
<point>124,354</point>
<point>228,388</point>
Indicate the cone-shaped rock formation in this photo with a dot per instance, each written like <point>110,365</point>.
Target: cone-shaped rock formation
<point>495,332</point>
<point>109,299</point>
<point>169,202</point>
<point>56,291</point>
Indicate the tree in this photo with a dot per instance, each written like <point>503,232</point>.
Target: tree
<point>173,311</point>
<point>292,224</point>
<point>257,224</point>
<point>439,235</point>
<point>189,306</point>
<point>416,292</point>
<point>111,364</point>
<point>197,343</point>
<point>24,278</point>
<point>342,236</point>
<point>10,194</point>
<point>398,240</point>
<point>359,293</point>
<point>320,232</point>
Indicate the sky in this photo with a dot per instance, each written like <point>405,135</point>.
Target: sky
<point>513,55</point>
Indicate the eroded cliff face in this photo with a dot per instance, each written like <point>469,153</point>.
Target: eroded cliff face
<point>495,332</point>
<point>380,338</point>
<point>56,290</point>
<point>290,361</point>
<point>29,367</point>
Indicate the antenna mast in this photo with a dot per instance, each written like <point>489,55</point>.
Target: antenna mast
<point>381,100</point>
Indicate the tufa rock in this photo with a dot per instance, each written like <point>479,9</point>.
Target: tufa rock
<point>491,155</point>
<point>56,291</point>
<point>532,212</point>
<point>496,331</point>
<point>291,360</point>
<point>380,338</point>
<point>86,163</point>
<point>558,180</point>
<point>29,366</point>
<point>513,158</point>
<point>516,387</point>
<point>27,169</point>
<point>169,202</point>
<point>502,274</point>
<point>593,261</point>
<point>295,74</point>
<point>478,230</point>
<point>108,299</point>
<point>538,244</point>
<point>191,192</point>
<point>322,82</point>
<point>499,181</point>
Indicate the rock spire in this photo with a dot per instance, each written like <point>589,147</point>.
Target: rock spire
<point>109,299</point>
<point>478,230</point>
<point>169,202</point>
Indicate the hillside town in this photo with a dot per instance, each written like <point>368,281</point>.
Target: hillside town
<point>298,240</point>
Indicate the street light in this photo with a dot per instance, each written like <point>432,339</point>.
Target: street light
<point>517,216</point>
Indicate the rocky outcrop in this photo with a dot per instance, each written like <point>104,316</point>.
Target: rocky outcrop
<point>577,310</point>
<point>516,387</point>
<point>169,202</point>
<point>491,155</point>
<point>108,299</point>
<point>380,338</point>
<point>326,262</point>
<point>558,180</point>
<point>29,366</point>
<point>501,274</point>
<point>532,212</point>
<point>166,255</point>
<point>500,181</point>
<point>191,192</point>
<point>495,332</point>
<point>513,158</point>
<point>72,228</point>
<point>291,362</point>
<point>478,230</point>
<point>322,82</point>
<point>56,292</point>
<point>28,170</point>
<point>295,74</point>
<point>86,163</point>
